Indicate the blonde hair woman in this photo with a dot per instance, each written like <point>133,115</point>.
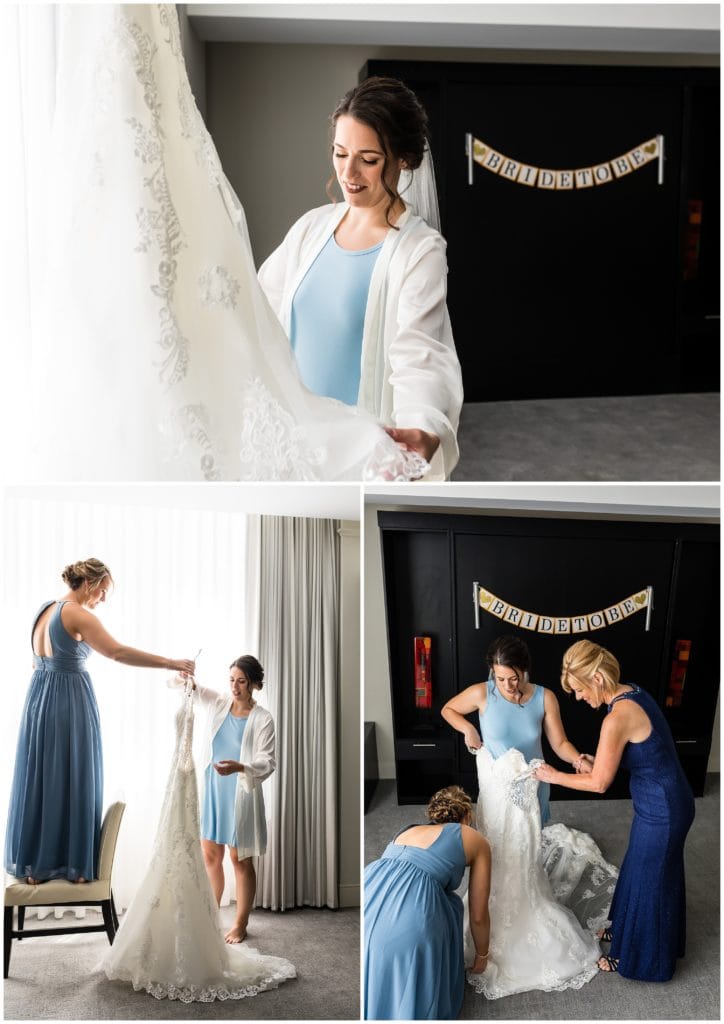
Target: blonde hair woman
<point>54,819</point>
<point>414,966</point>
<point>648,914</point>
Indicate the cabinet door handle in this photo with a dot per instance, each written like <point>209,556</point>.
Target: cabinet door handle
<point>435,744</point>
<point>680,742</point>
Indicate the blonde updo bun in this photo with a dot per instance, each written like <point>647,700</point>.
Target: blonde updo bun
<point>449,805</point>
<point>582,660</point>
<point>90,570</point>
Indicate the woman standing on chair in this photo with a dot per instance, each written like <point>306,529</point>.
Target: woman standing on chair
<point>360,286</point>
<point>648,911</point>
<point>238,757</point>
<point>54,818</point>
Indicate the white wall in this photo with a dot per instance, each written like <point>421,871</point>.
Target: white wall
<point>349,718</point>
<point>377,701</point>
<point>268,106</point>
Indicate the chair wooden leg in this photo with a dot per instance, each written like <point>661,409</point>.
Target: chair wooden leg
<point>21,920</point>
<point>108,920</point>
<point>8,936</point>
<point>114,912</point>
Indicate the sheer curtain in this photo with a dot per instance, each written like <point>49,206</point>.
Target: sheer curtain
<point>299,646</point>
<point>180,585</point>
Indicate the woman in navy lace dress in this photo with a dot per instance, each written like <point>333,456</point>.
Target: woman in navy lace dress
<point>648,912</point>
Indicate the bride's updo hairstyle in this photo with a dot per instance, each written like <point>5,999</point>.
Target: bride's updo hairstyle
<point>91,571</point>
<point>251,668</point>
<point>582,660</point>
<point>394,112</point>
<point>510,652</point>
<point>449,805</point>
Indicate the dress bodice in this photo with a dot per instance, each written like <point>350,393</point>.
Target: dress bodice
<point>443,860</point>
<point>505,725</point>
<point>68,654</point>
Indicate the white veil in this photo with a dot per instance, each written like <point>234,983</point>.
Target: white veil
<point>419,191</point>
<point>155,355</point>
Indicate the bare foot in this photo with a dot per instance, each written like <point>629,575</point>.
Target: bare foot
<point>78,881</point>
<point>234,935</point>
<point>31,881</point>
<point>604,934</point>
<point>608,965</point>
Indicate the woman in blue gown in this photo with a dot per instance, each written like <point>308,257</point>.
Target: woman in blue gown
<point>56,801</point>
<point>414,967</point>
<point>648,912</point>
<point>513,712</point>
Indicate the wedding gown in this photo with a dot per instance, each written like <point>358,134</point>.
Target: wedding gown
<point>170,942</point>
<point>535,941</point>
<point>155,355</point>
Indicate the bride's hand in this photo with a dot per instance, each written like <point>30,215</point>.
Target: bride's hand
<point>420,441</point>
<point>472,738</point>
<point>479,964</point>
<point>585,764</point>
<point>228,767</point>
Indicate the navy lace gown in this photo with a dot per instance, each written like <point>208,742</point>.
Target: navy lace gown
<point>648,911</point>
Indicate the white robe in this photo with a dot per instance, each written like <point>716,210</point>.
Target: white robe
<point>410,374</point>
<point>257,754</point>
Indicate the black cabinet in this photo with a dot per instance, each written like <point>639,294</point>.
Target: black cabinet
<point>556,566</point>
<point>543,285</point>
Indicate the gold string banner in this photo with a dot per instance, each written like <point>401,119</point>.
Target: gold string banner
<point>565,180</point>
<point>558,625</point>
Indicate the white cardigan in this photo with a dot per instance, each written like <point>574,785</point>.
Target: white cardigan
<point>410,374</point>
<point>257,756</point>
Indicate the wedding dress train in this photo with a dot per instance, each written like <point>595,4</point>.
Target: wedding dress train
<point>535,941</point>
<point>170,942</point>
<point>155,355</point>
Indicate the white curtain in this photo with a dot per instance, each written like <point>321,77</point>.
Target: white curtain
<point>299,647</point>
<point>180,585</point>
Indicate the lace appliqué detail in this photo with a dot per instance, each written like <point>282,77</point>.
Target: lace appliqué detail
<point>390,463</point>
<point>158,225</point>
<point>273,447</point>
<point>192,422</point>
<point>219,288</point>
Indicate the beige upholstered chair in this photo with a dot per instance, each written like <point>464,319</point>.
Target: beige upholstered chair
<point>61,893</point>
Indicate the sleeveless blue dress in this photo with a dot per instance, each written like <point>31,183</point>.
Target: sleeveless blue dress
<point>648,910</point>
<point>504,725</point>
<point>414,967</point>
<point>56,801</point>
<point>218,820</point>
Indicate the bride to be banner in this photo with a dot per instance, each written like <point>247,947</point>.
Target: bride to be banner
<point>561,624</point>
<point>568,179</point>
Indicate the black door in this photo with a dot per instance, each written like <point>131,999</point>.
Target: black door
<point>564,575</point>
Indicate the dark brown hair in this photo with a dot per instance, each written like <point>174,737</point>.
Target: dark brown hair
<point>251,668</point>
<point>396,115</point>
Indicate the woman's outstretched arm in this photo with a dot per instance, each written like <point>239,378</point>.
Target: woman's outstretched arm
<point>78,620</point>
<point>616,731</point>
<point>556,734</point>
<point>477,850</point>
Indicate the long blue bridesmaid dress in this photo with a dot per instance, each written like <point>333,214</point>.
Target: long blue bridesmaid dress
<point>648,911</point>
<point>414,967</point>
<point>56,801</point>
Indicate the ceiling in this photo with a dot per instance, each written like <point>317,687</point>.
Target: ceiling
<point>633,28</point>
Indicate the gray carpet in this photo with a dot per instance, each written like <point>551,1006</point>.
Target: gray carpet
<point>657,437</point>
<point>693,993</point>
<point>54,979</point>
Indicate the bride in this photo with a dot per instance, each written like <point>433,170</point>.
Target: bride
<point>153,352</point>
<point>169,942</point>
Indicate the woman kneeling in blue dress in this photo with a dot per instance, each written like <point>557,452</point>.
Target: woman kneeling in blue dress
<point>414,967</point>
<point>238,757</point>
<point>648,911</point>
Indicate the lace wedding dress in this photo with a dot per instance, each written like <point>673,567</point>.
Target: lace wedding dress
<point>170,940</point>
<point>535,941</point>
<point>155,354</point>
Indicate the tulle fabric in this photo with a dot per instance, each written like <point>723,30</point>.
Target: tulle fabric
<point>155,347</point>
<point>535,941</point>
<point>170,942</point>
